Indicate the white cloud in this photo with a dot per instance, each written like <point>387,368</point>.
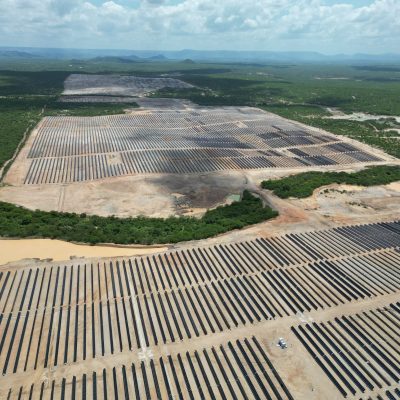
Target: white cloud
<point>62,7</point>
<point>224,24</point>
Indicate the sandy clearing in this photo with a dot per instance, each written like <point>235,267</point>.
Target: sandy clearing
<point>358,116</point>
<point>15,250</point>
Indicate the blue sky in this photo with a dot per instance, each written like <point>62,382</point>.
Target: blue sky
<point>327,26</point>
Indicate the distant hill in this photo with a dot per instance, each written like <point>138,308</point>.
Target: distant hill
<point>129,59</point>
<point>16,54</point>
<point>132,57</point>
<point>158,57</point>
<point>124,60</point>
<point>261,57</point>
<point>277,56</point>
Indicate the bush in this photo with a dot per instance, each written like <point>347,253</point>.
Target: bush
<point>20,222</point>
<point>303,185</point>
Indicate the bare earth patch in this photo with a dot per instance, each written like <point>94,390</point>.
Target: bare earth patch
<point>117,85</point>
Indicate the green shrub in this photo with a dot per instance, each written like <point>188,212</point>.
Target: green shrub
<point>20,222</point>
<point>302,185</point>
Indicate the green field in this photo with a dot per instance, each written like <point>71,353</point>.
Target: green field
<point>20,222</point>
<point>303,185</point>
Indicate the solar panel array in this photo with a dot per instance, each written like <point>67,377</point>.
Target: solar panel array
<point>74,149</point>
<point>358,352</point>
<point>386,395</point>
<point>118,85</point>
<point>97,99</point>
<point>57,315</point>
<point>238,370</point>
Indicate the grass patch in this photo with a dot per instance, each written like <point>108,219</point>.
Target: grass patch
<point>20,222</point>
<point>303,185</point>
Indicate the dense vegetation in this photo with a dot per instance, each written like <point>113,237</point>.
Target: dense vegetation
<point>302,185</point>
<point>16,117</point>
<point>24,83</point>
<point>344,87</point>
<point>20,222</point>
<point>87,109</point>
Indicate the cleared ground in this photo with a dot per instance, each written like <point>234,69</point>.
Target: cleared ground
<point>204,322</point>
<point>169,161</point>
<point>118,85</point>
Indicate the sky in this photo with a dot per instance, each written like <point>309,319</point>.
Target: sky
<point>326,26</point>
